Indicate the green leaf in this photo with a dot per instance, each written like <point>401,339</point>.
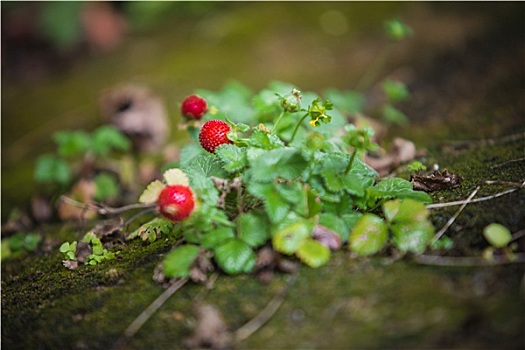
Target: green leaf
<point>177,263</point>
<point>497,235</point>
<point>394,115</point>
<point>265,140</point>
<point>72,143</point>
<point>287,163</point>
<point>289,238</point>
<point>274,205</point>
<point>369,235</point>
<point>253,228</point>
<point>233,157</point>
<point>214,238</point>
<point>412,236</point>
<point>395,90</point>
<point>397,188</point>
<point>188,153</point>
<point>106,187</point>
<point>397,30</point>
<point>152,229</point>
<point>204,165</point>
<point>313,253</point>
<point>235,256</point>
<point>152,192</point>
<point>51,169</point>
<point>108,138</point>
<point>336,224</point>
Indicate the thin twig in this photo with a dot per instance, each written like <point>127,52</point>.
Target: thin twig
<point>507,162</point>
<point>456,214</point>
<point>481,199</point>
<point>105,210</point>
<point>258,321</point>
<point>466,261</point>
<point>135,326</point>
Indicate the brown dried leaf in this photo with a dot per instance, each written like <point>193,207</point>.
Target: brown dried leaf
<point>83,251</point>
<point>70,264</point>
<point>402,151</point>
<point>138,113</point>
<point>327,237</point>
<point>210,331</point>
<point>436,181</point>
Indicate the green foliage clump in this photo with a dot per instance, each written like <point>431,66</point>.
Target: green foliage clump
<point>283,178</point>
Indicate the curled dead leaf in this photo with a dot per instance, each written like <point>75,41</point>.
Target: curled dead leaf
<point>139,114</point>
<point>436,181</point>
<point>402,151</point>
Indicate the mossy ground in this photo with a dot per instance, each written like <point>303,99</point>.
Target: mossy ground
<point>472,96</point>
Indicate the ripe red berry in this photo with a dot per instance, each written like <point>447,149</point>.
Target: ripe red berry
<point>176,202</point>
<point>194,107</point>
<point>213,134</point>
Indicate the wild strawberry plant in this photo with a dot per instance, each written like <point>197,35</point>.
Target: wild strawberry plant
<point>281,168</point>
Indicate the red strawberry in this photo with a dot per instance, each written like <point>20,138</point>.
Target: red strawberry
<point>194,107</point>
<point>176,202</point>
<point>213,134</point>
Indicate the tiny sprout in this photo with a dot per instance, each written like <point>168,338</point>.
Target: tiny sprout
<point>416,166</point>
<point>397,30</point>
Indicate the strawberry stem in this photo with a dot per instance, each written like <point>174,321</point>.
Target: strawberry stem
<point>297,127</point>
<point>349,166</point>
<point>277,121</point>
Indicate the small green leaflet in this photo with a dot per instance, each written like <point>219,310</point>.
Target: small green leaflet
<point>50,168</point>
<point>106,186</point>
<point>108,138</point>
<point>497,235</point>
<point>253,228</point>
<point>235,256</point>
<point>214,238</point>
<point>313,253</point>
<point>412,236</point>
<point>369,235</point>
<point>177,263</point>
<point>289,238</point>
<point>397,188</point>
<point>233,157</point>
<point>274,205</point>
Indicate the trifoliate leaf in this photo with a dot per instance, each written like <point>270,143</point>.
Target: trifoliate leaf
<point>412,236</point>
<point>289,238</point>
<point>50,168</point>
<point>233,157</point>
<point>177,263</point>
<point>214,238</point>
<point>176,177</point>
<point>106,187</point>
<point>313,253</point>
<point>497,235</point>
<point>72,143</point>
<point>107,138</point>
<point>151,193</point>
<point>253,228</point>
<point>369,235</point>
<point>235,256</point>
